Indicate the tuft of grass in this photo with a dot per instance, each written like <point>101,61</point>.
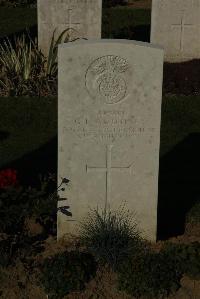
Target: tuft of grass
<point>111,238</point>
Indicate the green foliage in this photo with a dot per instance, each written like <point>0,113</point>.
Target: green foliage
<point>111,238</point>
<point>25,69</point>
<point>185,257</point>
<point>67,272</point>
<point>21,65</point>
<point>110,3</point>
<point>18,246</point>
<point>158,274</point>
<point>148,274</point>
<point>18,203</point>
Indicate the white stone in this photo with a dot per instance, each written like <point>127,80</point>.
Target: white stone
<point>109,110</point>
<point>175,25</point>
<point>82,15</point>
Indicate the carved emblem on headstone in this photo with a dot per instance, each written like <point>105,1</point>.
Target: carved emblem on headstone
<point>106,77</point>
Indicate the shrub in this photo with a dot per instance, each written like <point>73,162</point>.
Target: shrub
<point>185,257</point>
<point>193,215</point>
<point>67,272</point>
<point>150,274</point>
<point>18,203</point>
<point>5,252</point>
<point>109,237</point>
<point>25,69</point>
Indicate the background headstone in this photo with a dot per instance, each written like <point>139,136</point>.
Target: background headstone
<point>175,25</point>
<point>109,109</point>
<point>82,15</point>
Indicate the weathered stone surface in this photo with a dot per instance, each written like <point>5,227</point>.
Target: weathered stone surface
<point>175,25</point>
<point>82,15</point>
<point>109,109</point>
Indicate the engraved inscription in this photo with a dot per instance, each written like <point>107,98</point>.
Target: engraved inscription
<point>108,170</point>
<point>106,125</point>
<point>105,77</point>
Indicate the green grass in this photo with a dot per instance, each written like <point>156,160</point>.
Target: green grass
<point>24,117</point>
<point>31,122</point>
<point>16,19</point>
<point>115,19</point>
<point>180,115</point>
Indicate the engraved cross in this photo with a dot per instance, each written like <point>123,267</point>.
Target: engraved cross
<point>70,22</point>
<point>108,170</point>
<point>182,26</point>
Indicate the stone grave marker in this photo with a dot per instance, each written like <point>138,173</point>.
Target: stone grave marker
<point>175,25</point>
<point>82,15</point>
<point>109,110</point>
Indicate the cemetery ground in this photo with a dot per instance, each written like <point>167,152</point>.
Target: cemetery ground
<point>28,144</point>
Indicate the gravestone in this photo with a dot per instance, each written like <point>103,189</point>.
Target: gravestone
<point>175,25</point>
<point>109,110</point>
<point>84,16</point>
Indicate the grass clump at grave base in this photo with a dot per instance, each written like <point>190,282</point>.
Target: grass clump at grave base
<point>67,272</point>
<point>111,238</point>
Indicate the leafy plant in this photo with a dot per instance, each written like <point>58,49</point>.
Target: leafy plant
<point>25,69</point>
<point>5,252</point>
<point>185,257</point>
<point>21,63</point>
<point>67,272</point>
<point>51,67</point>
<point>150,274</point>
<point>109,237</point>
<point>193,215</point>
<point>18,203</point>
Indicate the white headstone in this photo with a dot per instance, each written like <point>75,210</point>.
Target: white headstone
<point>109,110</point>
<point>175,25</point>
<point>82,15</point>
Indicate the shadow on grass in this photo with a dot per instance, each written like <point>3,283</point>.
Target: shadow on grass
<point>32,32</point>
<point>179,179</point>
<point>130,32</point>
<point>4,135</point>
<point>42,160</point>
<point>179,186</point>
<point>142,33</point>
